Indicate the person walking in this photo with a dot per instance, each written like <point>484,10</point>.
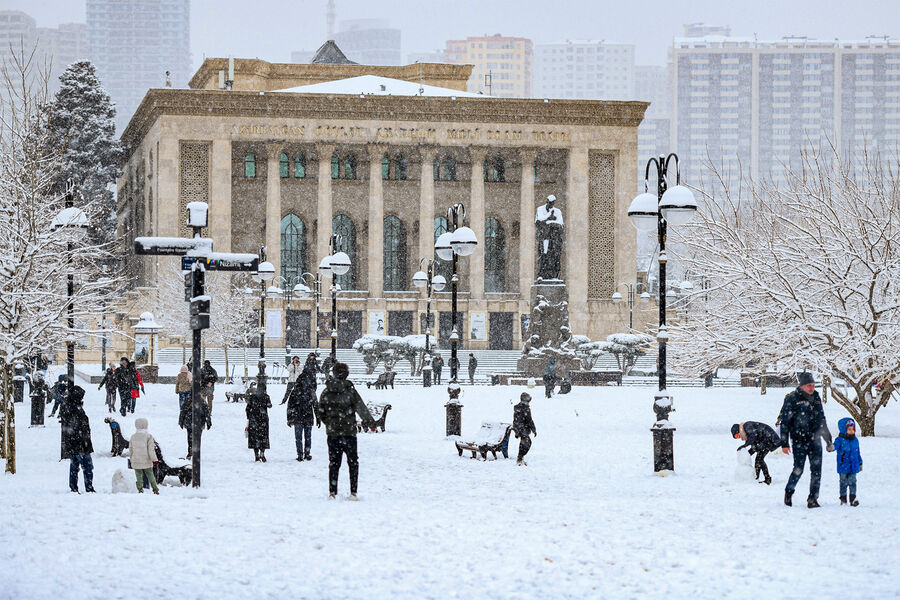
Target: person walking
<point>137,385</point>
<point>186,420</point>
<point>761,439</point>
<point>123,380</point>
<point>473,364</point>
<point>301,408</point>
<point>40,397</point>
<point>437,365</point>
<point>142,456</point>
<point>183,386</point>
<point>258,405</point>
<point>338,406</point>
<point>75,442</point>
<point>293,372</point>
<point>327,365</point>
<point>849,460</point>
<point>109,380</point>
<point>59,393</point>
<point>208,378</point>
<point>802,427</point>
<point>523,426</point>
<point>550,377</point>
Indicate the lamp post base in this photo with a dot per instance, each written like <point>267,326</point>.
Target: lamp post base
<point>663,449</point>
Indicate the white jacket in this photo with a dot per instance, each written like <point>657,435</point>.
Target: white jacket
<point>142,447</point>
<point>294,372</point>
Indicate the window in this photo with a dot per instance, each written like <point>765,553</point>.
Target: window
<point>300,166</point>
<point>394,255</point>
<point>437,169</point>
<point>494,170</point>
<point>284,166</point>
<point>343,226</point>
<point>335,166</point>
<point>293,248</point>
<point>441,267</point>
<point>449,168</point>
<point>385,168</point>
<point>400,168</point>
<point>350,167</point>
<point>250,165</point>
<point>494,256</point>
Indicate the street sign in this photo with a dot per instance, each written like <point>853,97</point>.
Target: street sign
<point>188,261</point>
<point>163,246</point>
<point>228,261</point>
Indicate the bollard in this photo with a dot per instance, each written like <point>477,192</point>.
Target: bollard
<point>19,383</point>
<point>426,376</point>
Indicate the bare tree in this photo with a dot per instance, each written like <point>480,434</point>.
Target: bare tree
<point>800,276</point>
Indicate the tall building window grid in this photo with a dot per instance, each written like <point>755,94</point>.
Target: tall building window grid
<point>394,267</point>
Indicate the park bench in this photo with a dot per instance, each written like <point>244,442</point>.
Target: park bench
<point>383,381</point>
<point>492,437</point>
<point>379,413</point>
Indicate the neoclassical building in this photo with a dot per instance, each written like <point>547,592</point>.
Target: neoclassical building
<point>293,153</point>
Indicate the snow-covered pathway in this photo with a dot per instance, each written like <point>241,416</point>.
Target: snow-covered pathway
<point>585,519</point>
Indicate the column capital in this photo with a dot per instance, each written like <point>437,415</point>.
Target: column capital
<point>528,154</point>
<point>324,150</point>
<point>477,153</point>
<point>375,151</point>
<point>427,152</point>
<point>273,150</point>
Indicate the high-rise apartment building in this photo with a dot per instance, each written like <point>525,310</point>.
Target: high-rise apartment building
<point>752,106</point>
<point>133,43</point>
<point>17,30</point>
<point>369,41</point>
<point>503,65</point>
<point>56,47</point>
<point>596,70</point>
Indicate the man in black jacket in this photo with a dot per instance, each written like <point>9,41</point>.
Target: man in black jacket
<point>761,439</point>
<point>338,407</point>
<point>523,426</point>
<point>473,364</point>
<point>75,439</point>
<point>125,382</point>
<point>208,378</point>
<point>803,424</point>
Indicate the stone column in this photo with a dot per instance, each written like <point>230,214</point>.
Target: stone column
<point>527,210</point>
<point>576,237</point>
<point>323,202</point>
<point>376,223</point>
<point>220,195</point>
<point>475,212</point>
<point>426,206</point>
<point>273,207</point>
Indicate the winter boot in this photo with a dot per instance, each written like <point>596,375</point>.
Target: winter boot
<point>256,454</point>
<point>307,456</point>
<point>767,480</point>
<point>156,492</point>
<point>299,459</point>
<point>853,500</point>
<point>787,498</point>
<point>91,490</point>
<point>812,502</point>
<point>353,497</point>
<point>332,496</point>
<point>843,500</point>
<point>262,455</point>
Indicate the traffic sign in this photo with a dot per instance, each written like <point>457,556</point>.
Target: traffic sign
<point>162,246</point>
<point>228,261</point>
<point>188,261</point>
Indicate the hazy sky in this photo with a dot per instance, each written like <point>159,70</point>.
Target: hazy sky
<point>271,29</point>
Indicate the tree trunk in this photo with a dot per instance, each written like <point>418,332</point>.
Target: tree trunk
<point>226,362</point>
<point>762,384</point>
<point>866,426</point>
<point>9,422</point>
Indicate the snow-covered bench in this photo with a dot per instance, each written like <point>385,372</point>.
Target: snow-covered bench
<point>384,380</point>
<point>493,437</point>
<point>379,414</point>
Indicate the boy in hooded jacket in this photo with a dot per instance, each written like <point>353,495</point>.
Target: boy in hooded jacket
<point>849,460</point>
<point>142,453</point>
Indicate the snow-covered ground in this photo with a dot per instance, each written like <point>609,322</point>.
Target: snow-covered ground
<point>585,519</point>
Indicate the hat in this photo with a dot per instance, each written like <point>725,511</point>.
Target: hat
<point>804,378</point>
<point>735,429</point>
<point>525,397</point>
<point>341,370</point>
<point>140,423</point>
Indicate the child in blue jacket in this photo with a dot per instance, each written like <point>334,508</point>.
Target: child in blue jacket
<point>849,460</point>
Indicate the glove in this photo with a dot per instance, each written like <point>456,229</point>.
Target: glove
<point>318,423</point>
<point>829,448</point>
<point>155,463</point>
<point>860,468</point>
<point>142,390</point>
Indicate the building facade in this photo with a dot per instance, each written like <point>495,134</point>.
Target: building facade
<point>286,170</point>
<point>503,66</point>
<point>369,42</point>
<point>595,70</point>
<point>56,46</point>
<point>133,43</point>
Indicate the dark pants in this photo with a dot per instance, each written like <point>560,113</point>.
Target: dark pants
<point>813,450</point>
<point>338,445</point>
<point>437,376</point>
<point>87,465</point>
<point>287,392</point>
<point>301,431</point>
<point>471,376</point>
<point>190,436</point>
<point>549,384</point>
<point>524,446</point>
<point>124,400</point>
<point>182,398</point>
<point>847,480</point>
<point>760,464</point>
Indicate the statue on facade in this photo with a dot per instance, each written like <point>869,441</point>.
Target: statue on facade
<point>549,229</point>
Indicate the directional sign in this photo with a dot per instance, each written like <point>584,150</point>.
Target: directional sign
<point>227,261</point>
<point>162,246</point>
<point>188,261</point>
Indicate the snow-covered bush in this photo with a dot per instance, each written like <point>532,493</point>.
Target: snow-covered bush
<point>625,347</point>
<point>389,349</point>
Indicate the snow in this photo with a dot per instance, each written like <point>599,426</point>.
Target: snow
<point>379,86</point>
<point>585,519</point>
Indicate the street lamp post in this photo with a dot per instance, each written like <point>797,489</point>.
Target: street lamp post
<point>265,272</point>
<point>669,206</point>
<point>430,282</point>
<point>457,241</point>
<point>302,290</point>
<point>338,264</point>
<point>617,297</point>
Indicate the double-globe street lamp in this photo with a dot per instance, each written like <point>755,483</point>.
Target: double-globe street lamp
<point>265,272</point>
<point>303,290</point>
<point>431,282</point>
<point>335,264</point>
<point>617,297</point>
<point>455,242</point>
<point>668,206</point>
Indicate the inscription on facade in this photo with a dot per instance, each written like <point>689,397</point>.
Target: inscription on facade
<point>400,133</point>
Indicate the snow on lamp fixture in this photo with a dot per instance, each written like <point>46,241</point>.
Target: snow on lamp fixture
<point>617,297</point>
<point>340,263</point>
<point>442,246</point>
<point>420,279</point>
<point>266,271</point>
<point>643,212</point>
<point>678,205</point>
<point>198,214</point>
<point>464,241</point>
<point>325,266</point>
<point>438,282</point>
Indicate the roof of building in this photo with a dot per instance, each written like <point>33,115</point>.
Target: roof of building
<point>329,54</point>
<point>378,86</point>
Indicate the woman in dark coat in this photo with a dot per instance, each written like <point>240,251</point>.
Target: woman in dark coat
<point>301,408</point>
<point>75,439</point>
<point>761,439</point>
<point>258,405</point>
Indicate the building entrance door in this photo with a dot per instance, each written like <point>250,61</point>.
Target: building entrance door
<point>297,324</point>
<point>500,330</point>
<point>349,327</point>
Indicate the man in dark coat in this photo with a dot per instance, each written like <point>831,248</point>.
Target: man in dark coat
<point>186,421</point>
<point>437,365</point>
<point>75,442</point>
<point>258,405</point>
<point>761,439</point>
<point>301,408</point>
<point>208,378</point>
<point>803,424</point>
<point>473,364</point>
<point>523,426</point>
<point>125,381</point>
<point>338,407</point>
<point>327,365</point>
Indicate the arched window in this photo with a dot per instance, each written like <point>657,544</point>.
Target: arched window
<point>497,170</point>
<point>394,255</point>
<point>350,167</point>
<point>335,166</point>
<point>284,166</point>
<point>494,256</point>
<point>449,168</point>
<point>441,267</point>
<point>300,166</point>
<point>250,165</point>
<point>293,248</point>
<point>385,168</point>
<point>343,226</point>
<point>400,168</point>
<point>437,169</point>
